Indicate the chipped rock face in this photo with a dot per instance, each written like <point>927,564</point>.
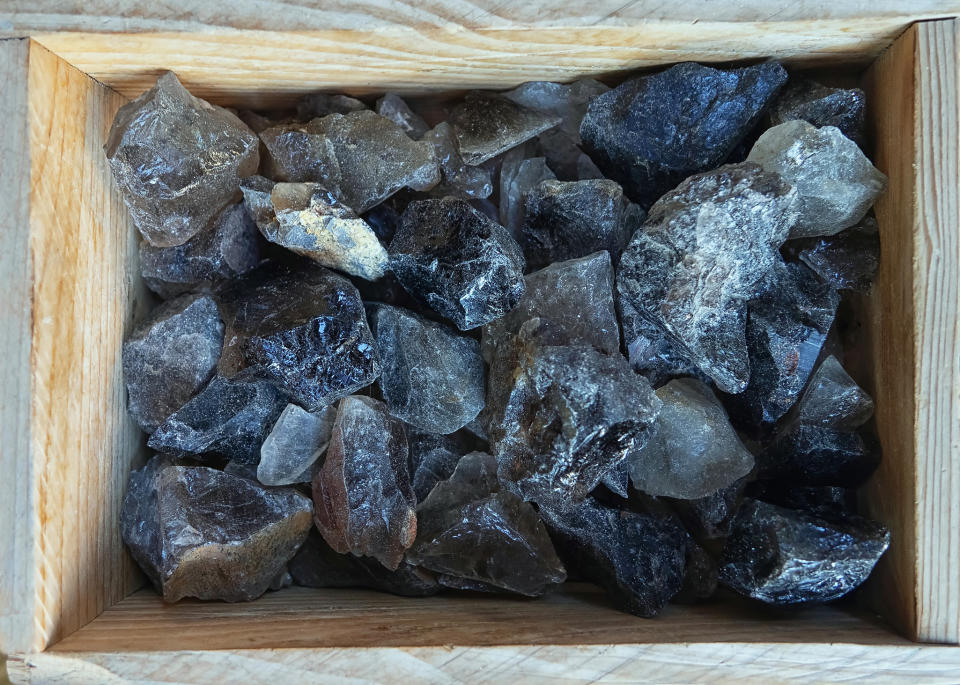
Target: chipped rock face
<point>471,530</point>
<point>821,106</point>
<point>457,261</point>
<point>459,178</point>
<point>784,556</point>
<point>709,517</point>
<point>316,105</point>
<point>574,303</point>
<point>433,457</point>
<point>693,450</point>
<point>811,455</point>
<point>294,445</point>
<point>848,260</point>
<point>229,417</point>
<point>433,378</point>
<point>518,176</point>
<point>177,160</point>
<point>650,350</point>
<point>308,220</point>
<point>835,181</point>
<point>140,517</point>
<point>362,494</point>
<point>228,248</point>
<point>394,108</point>
<point>566,220</point>
<point>708,247</point>
<point>565,100</point>
<point>169,357</point>
<point>651,132</point>
<point>487,125</point>
<point>833,399</point>
<point>302,328</point>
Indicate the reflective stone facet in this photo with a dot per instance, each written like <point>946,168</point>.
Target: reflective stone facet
<point>519,175</point>
<point>810,455</point>
<point>821,106</point>
<point>566,100</point>
<point>848,260</point>
<point>294,444</point>
<point>487,125</point>
<point>833,399</point>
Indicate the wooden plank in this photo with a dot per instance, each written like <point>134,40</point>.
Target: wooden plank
<point>84,299</point>
<point>911,342</point>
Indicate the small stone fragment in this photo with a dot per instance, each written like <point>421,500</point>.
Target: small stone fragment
<point>563,155</point>
<point>308,220</point>
<point>177,160</point>
<point>140,517</point>
<point>566,220</point>
<point>573,301</point>
<point>457,261</point>
<point>364,503</point>
<point>810,455</point>
<point>469,529</point>
<point>693,450</point>
<point>639,559</point>
<point>821,106</point>
<point>835,181</point>
<point>230,417</point>
<point>707,247</point>
<point>304,329</point>
<point>433,457</point>
<point>848,260</point>
<point>833,399</point>
<point>519,175</point>
<point>565,100</point>
<point>228,248</point>
<point>488,124</point>
<point>651,132</point>
<point>459,178</point>
<point>394,108</point>
<point>617,481</point>
<point>699,576</point>
<point>294,444</point>
<point>709,517</point>
<point>169,357</point>
<point>433,378</point>
<point>316,105</point>
<point>784,556</point>
<point>383,219</point>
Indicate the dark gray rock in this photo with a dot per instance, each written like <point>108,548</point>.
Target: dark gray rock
<point>833,400</point>
<point>848,260</point>
<point>433,457</point>
<point>810,455</point>
<point>821,106</point>
<point>315,105</point>
<point>565,100</point>
<point>709,517</point>
<point>459,179</point>
<point>488,124</point>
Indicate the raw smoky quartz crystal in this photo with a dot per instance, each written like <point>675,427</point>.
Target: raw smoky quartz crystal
<point>488,124</point>
<point>706,249</point>
<point>433,457</point>
<point>826,501</point>
<point>518,176</point>
<point>848,260</point>
<point>294,445</point>
<point>833,399</point>
<point>364,503</point>
<point>226,249</point>
<point>307,219</point>
<point>692,450</point>
<point>470,529</point>
<point>457,261</point>
<point>651,132</point>
<point>169,357</point>
<point>316,105</point>
<point>302,328</point>
<point>835,181</point>
<point>177,160</point>
<point>459,178</point>
<point>811,455</point>
<point>821,106</point>
<point>565,100</point>
<point>709,517</point>
<point>394,108</point>
<point>784,556</point>
<point>433,378</point>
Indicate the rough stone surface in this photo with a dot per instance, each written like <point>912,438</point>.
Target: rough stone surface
<point>294,445</point>
<point>303,328</point>
<point>459,179</point>
<point>699,576</point>
<point>821,106</point>
<point>394,108</point>
<point>307,219</point>
<point>170,356</point>
<point>835,181</point>
<point>565,100</point>
<point>826,501</point>
<point>564,156</point>
<point>362,494</point>
<point>177,160</point>
<point>457,261</point>
<point>706,249</point>
<point>573,301</point>
<point>229,417</point>
<point>519,175</point>
<point>833,399</point>
<point>433,377</point>
<point>692,450</point>
<point>433,457</point>
<point>848,260</point>
<point>315,105</point>
<point>470,529</point>
<point>651,132</point>
<point>226,249</point>
<point>488,124</point>
<point>709,517</point>
<point>140,517</point>
<point>784,556</point>
<point>810,455</point>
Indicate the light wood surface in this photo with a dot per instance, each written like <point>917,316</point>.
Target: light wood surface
<point>911,341</point>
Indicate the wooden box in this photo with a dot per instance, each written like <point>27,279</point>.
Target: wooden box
<point>72,607</point>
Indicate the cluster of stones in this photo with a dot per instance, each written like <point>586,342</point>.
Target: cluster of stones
<point>562,331</point>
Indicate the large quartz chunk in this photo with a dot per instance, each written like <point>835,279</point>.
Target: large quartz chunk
<point>177,160</point>
<point>833,399</point>
<point>519,175</point>
<point>821,106</point>
<point>169,357</point>
<point>317,565</point>
<point>307,219</point>
<point>574,302</point>
<point>708,247</point>
<point>639,559</point>
<point>811,455</point>
<point>364,501</point>
<point>848,260</point>
<point>294,444</point>
<point>394,108</point>
<point>459,178</point>
<point>457,261</point>
<point>433,377</point>
<point>783,556</point>
<point>651,132</point>
<point>202,533</point>
<point>470,529</point>
<point>361,157</point>
<point>304,329</point>
<point>228,248</point>
<point>560,418</point>
<point>566,100</point>
<point>488,124</point>
<point>836,182</point>
<point>230,417</point>
<point>566,220</point>
<point>693,450</point>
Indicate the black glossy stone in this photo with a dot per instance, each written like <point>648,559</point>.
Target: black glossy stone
<point>848,260</point>
<point>821,106</point>
<point>809,455</point>
<point>823,500</point>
